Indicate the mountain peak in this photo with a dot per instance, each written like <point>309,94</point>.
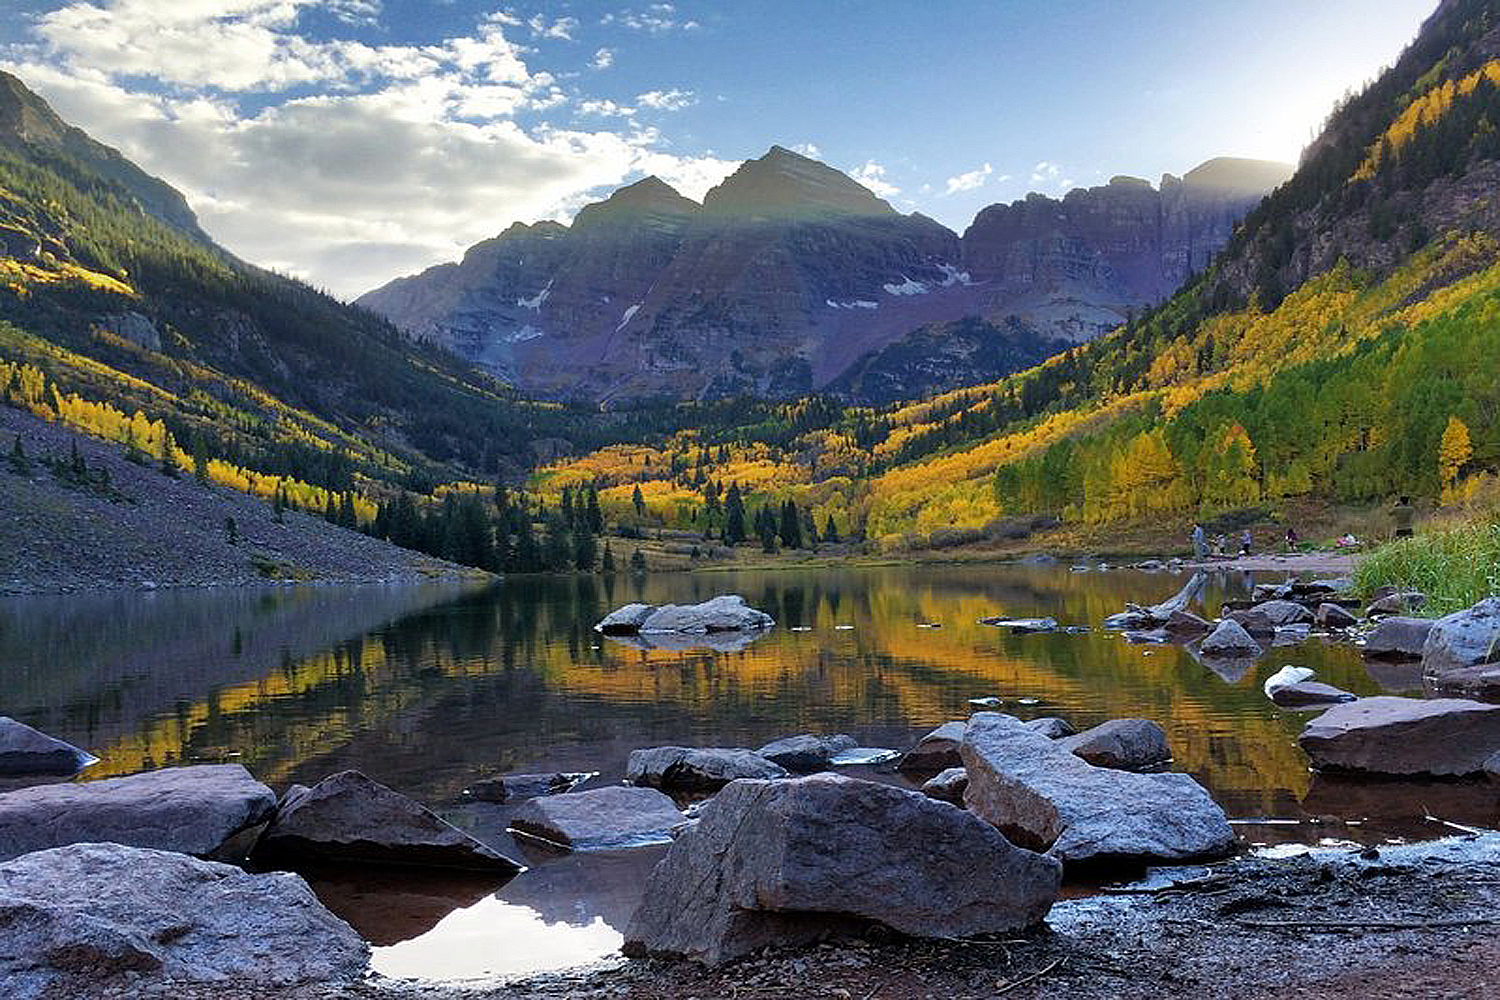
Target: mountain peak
<point>648,199</point>
<point>1239,174</point>
<point>786,183</point>
<point>24,115</point>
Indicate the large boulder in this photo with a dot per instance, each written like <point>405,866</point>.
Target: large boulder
<point>626,620</point>
<point>1391,735</point>
<point>1261,628</point>
<point>618,816</point>
<point>807,753</point>
<point>936,751</point>
<point>1123,744</point>
<point>1398,638</point>
<point>726,613</point>
<point>193,810</point>
<point>697,769</point>
<point>350,818</point>
<point>793,861</point>
<point>1229,641</point>
<point>1284,612</point>
<point>1462,652</point>
<point>26,751</point>
<point>91,920</point>
<point>1042,796</point>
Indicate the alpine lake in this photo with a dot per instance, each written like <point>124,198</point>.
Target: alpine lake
<point>429,689</point>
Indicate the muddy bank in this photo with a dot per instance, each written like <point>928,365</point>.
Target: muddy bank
<point>1414,921</point>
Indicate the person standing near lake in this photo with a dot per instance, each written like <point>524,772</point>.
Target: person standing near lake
<point>1291,539</point>
<point>1246,540</point>
<point>1200,541</point>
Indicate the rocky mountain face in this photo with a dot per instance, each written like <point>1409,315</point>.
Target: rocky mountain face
<point>792,277</point>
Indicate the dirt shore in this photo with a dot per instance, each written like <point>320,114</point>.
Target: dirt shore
<point>1329,563</point>
<point>1416,921</point>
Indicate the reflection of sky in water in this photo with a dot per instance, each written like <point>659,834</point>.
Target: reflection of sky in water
<point>493,937</point>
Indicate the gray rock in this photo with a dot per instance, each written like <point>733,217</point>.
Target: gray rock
<point>1051,727</point>
<point>1400,603</point>
<point>1291,635</point>
<point>865,755</point>
<point>793,861</point>
<point>1256,623</point>
<point>1333,616</point>
<point>1391,735</point>
<point>626,620</point>
<point>1022,626</point>
<point>1321,588</point>
<point>1492,766</point>
<point>947,786</point>
<point>25,751</point>
<point>806,753</point>
<point>1185,624</point>
<point>1304,694</point>
<point>350,818</point>
<point>1398,638</point>
<point>91,920</point>
<point>1229,641</point>
<point>1462,652</point>
<point>726,613</point>
<point>697,769</point>
<point>1270,591</point>
<point>515,787</point>
<point>1123,744</point>
<point>193,810</point>
<point>936,751</point>
<point>1042,796</point>
<point>1284,612</point>
<point>618,816</point>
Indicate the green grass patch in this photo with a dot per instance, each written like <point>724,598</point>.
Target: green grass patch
<point>1454,567</point>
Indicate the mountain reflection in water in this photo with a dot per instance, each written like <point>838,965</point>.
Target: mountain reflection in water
<point>430,689</point>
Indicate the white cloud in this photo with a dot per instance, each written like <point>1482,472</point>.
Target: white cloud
<point>872,176</point>
<point>667,100</point>
<point>656,19</point>
<point>605,109</point>
<point>338,161</point>
<point>969,181</point>
<point>603,59</point>
<point>561,28</point>
<point>808,149</point>
<point>1048,176</point>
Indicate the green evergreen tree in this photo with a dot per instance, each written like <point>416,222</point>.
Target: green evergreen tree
<point>789,527</point>
<point>19,463</point>
<point>831,531</point>
<point>638,561</point>
<point>595,515</point>
<point>637,501</point>
<point>734,516</point>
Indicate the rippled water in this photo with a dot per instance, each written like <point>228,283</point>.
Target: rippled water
<point>429,689</point>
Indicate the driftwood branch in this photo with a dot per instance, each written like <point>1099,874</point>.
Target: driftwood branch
<point>1031,978</point>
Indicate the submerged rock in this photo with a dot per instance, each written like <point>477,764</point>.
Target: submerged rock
<point>1392,735</point>
<point>350,818</point>
<point>601,819</point>
<point>787,862</point>
<point>936,751</point>
<point>1123,744</point>
<point>697,769</point>
<point>1022,626</point>
<point>1229,641</point>
<point>1309,694</point>
<point>514,787</point>
<point>26,751</point>
<point>1462,652</point>
<point>92,920</point>
<point>806,753</point>
<point>947,785</point>
<point>1042,796</point>
<point>1398,637</point>
<point>192,810</point>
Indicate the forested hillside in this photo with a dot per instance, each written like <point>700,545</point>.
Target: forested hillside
<point>1344,346</point>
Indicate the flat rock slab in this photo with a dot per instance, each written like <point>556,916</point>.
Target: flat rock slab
<point>26,751</point>
<point>192,810</point>
<point>1462,652</point>
<point>788,862</point>
<point>92,920</point>
<point>1123,744</point>
<point>1391,735</point>
<point>600,819</point>
<point>1308,694</point>
<point>807,753</point>
<point>515,787</point>
<point>936,751</point>
<point>1398,638</point>
<point>350,818</point>
<point>697,769</point>
<point>725,613</point>
<point>1042,796</point>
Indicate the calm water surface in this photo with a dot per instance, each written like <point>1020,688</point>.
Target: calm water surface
<point>429,689</point>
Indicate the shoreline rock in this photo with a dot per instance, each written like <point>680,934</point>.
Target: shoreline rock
<point>1462,651</point>
<point>25,751</point>
<point>697,769</point>
<point>609,818</point>
<point>1392,735</point>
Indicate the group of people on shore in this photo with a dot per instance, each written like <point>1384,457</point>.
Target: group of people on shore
<point>1219,548</point>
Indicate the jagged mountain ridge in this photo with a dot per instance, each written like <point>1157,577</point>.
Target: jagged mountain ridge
<point>791,275</point>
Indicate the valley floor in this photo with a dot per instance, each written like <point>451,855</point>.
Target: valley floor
<point>1417,922</point>
<point>148,530</point>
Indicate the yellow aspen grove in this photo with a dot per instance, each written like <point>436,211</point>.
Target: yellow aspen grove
<point>1453,451</point>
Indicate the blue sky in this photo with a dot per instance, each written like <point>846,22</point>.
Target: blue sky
<point>349,141</point>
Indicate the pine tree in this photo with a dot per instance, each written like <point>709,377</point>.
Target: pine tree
<point>231,531</point>
<point>557,547</point>
<point>831,531</point>
<point>168,457</point>
<point>595,515</point>
<point>790,526</point>
<point>585,547</point>
<point>348,517</point>
<point>638,501</point>
<point>278,505</point>
<point>19,463</point>
<point>734,516</point>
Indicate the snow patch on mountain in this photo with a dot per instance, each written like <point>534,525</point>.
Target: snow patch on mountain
<point>906,287</point>
<point>855,304</point>
<point>953,276</point>
<point>629,313</point>
<point>535,302</point>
